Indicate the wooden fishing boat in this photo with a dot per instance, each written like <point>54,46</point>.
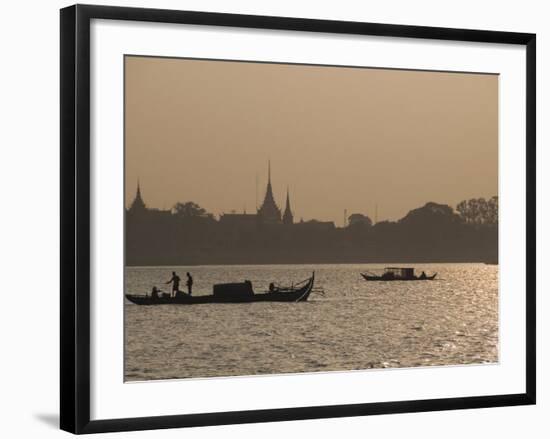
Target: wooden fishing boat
<point>241,292</point>
<point>397,273</point>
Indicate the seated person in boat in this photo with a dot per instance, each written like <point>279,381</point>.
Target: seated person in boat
<point>155,293</point>
<point>423,275</point>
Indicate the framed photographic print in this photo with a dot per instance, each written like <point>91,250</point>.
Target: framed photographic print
<point>268,218</point>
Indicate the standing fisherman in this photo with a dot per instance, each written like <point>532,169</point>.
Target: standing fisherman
<point>175,280</point>
<point>189,283</point>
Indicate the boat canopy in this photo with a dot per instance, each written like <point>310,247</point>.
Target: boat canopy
<point>403,272</point>
<point>234,290</point>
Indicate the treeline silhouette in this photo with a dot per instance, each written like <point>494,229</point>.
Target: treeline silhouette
<point>189,235</point>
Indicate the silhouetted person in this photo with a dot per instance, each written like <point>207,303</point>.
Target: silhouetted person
<point>423,275</point>
<point>175,280</point>
<point>189,283</point>
<point>155,293</point>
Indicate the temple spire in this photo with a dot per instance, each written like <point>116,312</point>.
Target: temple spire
<point>269,190</point>
<point>288,218</point>
<point>287,198</point>
<point>138,203</point>
<point>269,212</point>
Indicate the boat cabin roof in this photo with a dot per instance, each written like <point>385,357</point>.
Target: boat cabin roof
<point>236,289</point>
<point>403,270</point>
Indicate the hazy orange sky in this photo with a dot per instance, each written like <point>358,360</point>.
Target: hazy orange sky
<point>339,138</point>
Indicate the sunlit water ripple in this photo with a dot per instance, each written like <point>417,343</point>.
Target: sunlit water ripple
<point>356,325</point>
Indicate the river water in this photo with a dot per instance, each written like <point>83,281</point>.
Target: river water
<point>354,325</point>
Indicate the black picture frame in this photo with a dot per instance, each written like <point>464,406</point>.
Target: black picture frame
<point>75,217</point>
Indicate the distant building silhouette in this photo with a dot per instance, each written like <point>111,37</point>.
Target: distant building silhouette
<point>188,234</point>
<point>315,225</point>
<point>239,219</point>
<point>138,208</point>
<point>269,212</point>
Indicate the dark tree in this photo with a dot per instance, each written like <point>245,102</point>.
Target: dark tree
<point>492,211</point>
<point>479,211</point>
<point>190,210</point>
<point>359,220</point>
<point>430,214</point>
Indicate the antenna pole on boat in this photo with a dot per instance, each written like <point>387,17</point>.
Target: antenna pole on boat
<point>345,217</point>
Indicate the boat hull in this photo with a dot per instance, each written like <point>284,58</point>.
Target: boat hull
<point>296,295</point>
<point>381,279</point>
